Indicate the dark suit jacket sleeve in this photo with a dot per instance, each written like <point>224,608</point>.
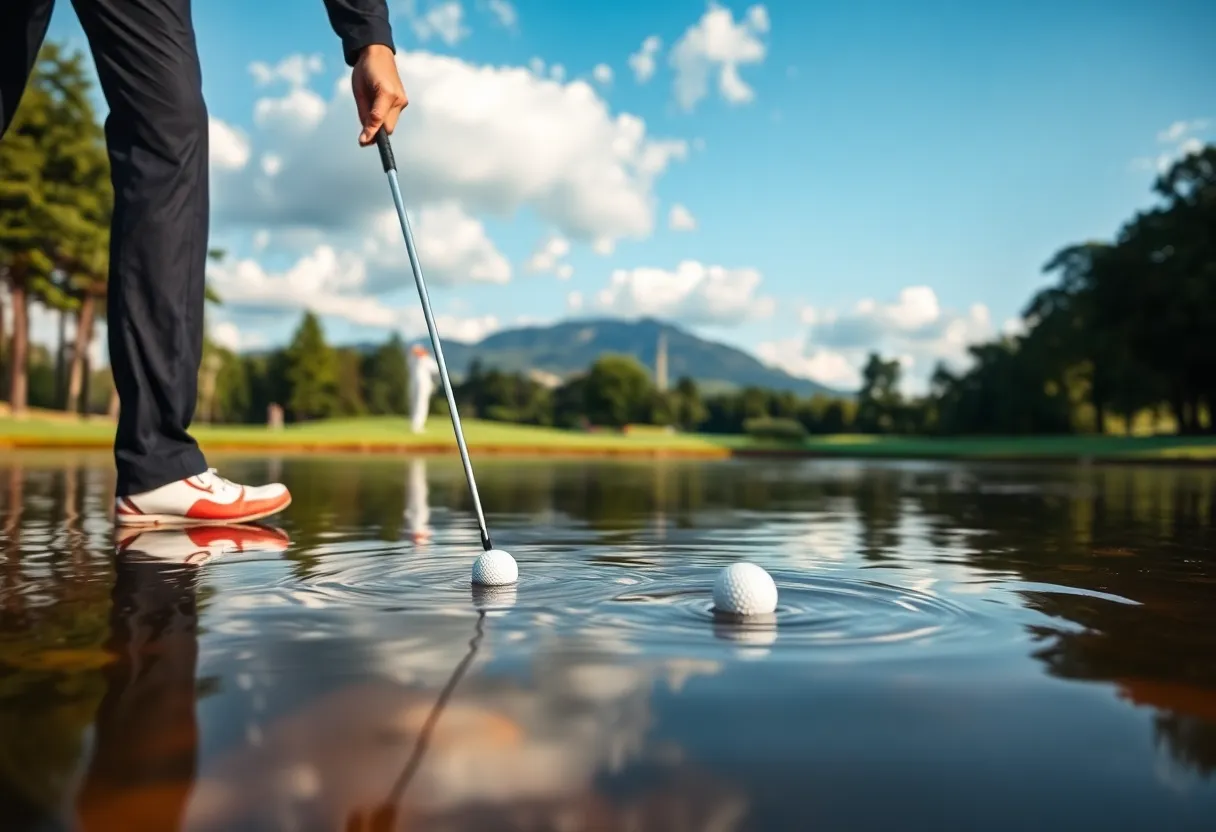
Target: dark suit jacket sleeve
<point>360,23</point>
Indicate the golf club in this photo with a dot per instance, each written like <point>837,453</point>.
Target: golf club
<point>390,168</point>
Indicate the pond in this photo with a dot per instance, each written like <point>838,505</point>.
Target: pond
<point>957,646</point>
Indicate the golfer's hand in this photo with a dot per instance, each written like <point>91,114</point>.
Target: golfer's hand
<point>379,94</point>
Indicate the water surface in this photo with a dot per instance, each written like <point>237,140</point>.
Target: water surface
<point>958,646</point>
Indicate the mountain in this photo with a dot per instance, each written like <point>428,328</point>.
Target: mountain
<point>571,346</point>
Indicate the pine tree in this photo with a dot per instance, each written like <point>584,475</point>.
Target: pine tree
<point>385,378</point>
<point>55,203</point>
<point>23,226</point>
<point>312,373</point>
<point>350,383</point>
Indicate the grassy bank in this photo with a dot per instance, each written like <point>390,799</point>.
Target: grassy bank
<point>386,434</point>
<point>46,430</point>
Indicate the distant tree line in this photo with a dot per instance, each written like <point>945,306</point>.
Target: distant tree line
<point>312,379</point>
<point>1122,341</point>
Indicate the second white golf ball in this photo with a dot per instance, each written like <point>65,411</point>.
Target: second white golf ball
<point>495,568</point>
<point>745,589</point>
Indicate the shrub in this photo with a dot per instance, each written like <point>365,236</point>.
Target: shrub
<point>780,430</point>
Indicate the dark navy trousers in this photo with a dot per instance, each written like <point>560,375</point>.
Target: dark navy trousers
<point>156,131</point>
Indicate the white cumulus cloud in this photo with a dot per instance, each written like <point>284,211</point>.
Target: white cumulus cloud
<point>1181,139</point>
<point>452,327</point>
<point>693,293</point>
<point>549,258</point>
<point>681,219</point>
<point>442,20</point>
<point>914,328</point>
<point>493,139</point>
<point>602,74</point>
<point>452,247</point>
<point>643,61</point>
<point>1181,129</point>
<point>296,70</point>
<point>232,337</point>
<point>717,45</point>
<point>271,164</point>
<point>300,110</point>
<point>321,273</point>
<point>230,149</point>
<point>504,13</point>
<point>828,367</point>
<point>333,285</point>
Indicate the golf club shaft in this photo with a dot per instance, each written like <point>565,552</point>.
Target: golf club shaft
<point>390,168</point>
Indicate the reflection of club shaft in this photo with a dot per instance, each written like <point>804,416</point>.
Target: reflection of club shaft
<point>435,342</point>
<point>424,736</point>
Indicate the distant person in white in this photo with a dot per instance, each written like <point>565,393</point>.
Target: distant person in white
<point>423,371</point>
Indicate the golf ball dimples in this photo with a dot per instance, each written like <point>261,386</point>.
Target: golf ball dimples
<point>745,589</point>
<point>495,568</point>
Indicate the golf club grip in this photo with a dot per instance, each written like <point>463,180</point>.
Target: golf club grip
<point>386,150</point>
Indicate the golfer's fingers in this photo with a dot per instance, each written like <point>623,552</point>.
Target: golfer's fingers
<point>384,105</point>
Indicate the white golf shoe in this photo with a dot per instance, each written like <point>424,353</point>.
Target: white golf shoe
<point>204,499</point>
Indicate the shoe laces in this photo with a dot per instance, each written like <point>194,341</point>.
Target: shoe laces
<point>222,481</point>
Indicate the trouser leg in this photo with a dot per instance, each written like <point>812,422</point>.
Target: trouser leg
<point>147,62</point>
<point>23,26</point>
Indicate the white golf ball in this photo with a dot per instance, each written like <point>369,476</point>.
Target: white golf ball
<point>495,568</point>
<point>745,589</point>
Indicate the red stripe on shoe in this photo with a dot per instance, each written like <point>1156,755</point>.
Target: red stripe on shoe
<point>238,509</point>
<point>204,488</point>
<point>125,506</point>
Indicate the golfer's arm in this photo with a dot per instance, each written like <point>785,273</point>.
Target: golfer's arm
<point>359,24</point>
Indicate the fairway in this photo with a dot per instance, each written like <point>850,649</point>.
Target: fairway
<point>389,434</point>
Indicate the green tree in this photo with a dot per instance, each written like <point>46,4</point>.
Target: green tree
<point>755,403</point>
<point>618,391</point>
<point>570,403</point>
<point>690,411</point>
<point>268,383</point>
<point>350,383</point>
<point>55,206</point>
<point>232,397</point>
<point>385,375</point>
<point>1165,298</point>
<point>81,201</point>
<point>879,397</point>
<point>663,408</point>
<point>311,372</point>
<point>24,222</point>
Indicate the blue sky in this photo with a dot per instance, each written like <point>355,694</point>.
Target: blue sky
<point>857,151</point>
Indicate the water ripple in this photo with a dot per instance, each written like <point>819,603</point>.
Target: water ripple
<point>646,597</point>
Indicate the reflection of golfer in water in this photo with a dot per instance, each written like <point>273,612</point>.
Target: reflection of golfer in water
<point>423,371</point>
<point>146,744</point>
<point>417,510</point>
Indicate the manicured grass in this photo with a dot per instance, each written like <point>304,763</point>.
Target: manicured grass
<point>45,430</point>
<point>1093,448</point>
<point>373,433</point>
